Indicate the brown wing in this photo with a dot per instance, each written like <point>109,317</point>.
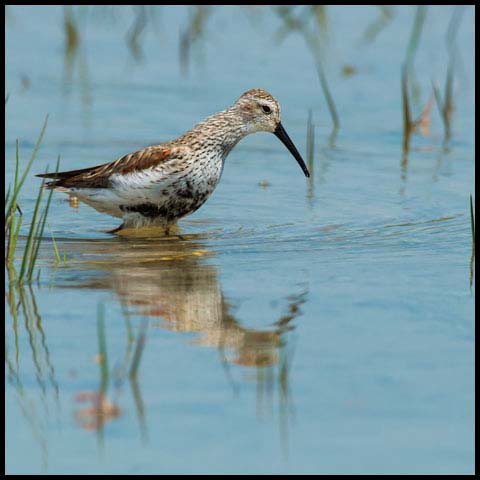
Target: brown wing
<point>99,176</point>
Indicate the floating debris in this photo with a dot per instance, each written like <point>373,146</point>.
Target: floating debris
<point>348,70</point>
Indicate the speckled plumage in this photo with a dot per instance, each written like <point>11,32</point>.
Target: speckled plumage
<point>158,185</point>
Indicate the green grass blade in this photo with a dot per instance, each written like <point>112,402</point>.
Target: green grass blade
<point>453,26</point>
<point>9,226</point>
<point>310,141</point>
<point>472,221</point>
<point>138,350</point>
<point>12,245</point>
<point>18,185</point>
<point>407,118</point>
<point>28,246</point>
<point>55,248</point>
<point>449,86</point>
<point>326,91</point>
<point>11,211</point>
<point>7,196</point>
<point>10,207</point>
<point>418,24</point>
<point>102,347</point>
<point>17,161</point>
<point>438,98</point>
<point>448,104</point>
<point>41,228</point>
<point>36,245</point>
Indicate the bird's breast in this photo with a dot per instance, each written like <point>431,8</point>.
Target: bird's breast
<point>199,179</point>
<point>191,186</point>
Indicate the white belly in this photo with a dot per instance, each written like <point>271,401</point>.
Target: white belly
<point>155,196</point>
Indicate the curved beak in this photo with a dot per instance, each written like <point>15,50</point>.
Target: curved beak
<point>285,139</point>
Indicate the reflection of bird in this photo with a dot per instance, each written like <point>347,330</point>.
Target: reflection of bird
<point>160,184</point>
<point>101,411</point>
<point>172,283</point>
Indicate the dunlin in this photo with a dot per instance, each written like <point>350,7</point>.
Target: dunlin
<point>160,184</point>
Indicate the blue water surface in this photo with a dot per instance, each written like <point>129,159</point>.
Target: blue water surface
<point>292,325</point>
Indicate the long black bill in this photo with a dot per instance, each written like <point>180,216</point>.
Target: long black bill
<point>285,139</point>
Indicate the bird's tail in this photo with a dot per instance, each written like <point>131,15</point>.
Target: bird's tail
<point>59,178</point>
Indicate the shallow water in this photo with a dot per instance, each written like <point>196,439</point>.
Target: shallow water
<point>290,325</point>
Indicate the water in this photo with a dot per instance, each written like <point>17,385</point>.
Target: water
<point>294,326</point>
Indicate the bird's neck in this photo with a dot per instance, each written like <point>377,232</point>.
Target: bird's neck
<point>221,132</point>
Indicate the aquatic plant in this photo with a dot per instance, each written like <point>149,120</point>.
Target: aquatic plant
<point>74,51</point>
<point>310,153</point>
<point>452,30</point>
<point>328,96</point>
<point>193,33</point>
<point>445,105</point>
<point>387,13</point>
<point>472,226</point>
<point>472,222</point>
<point>310,140</point>
<point>137,355</point>
<point>422,122</point>
<point>35,408</point>
<point>14,217</point>
<point>407,119</point>
<point>301,23</point>
<point>417,29</point>
<point>103,409</point>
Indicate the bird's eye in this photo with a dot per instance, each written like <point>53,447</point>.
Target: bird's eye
<point>266,109</point>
